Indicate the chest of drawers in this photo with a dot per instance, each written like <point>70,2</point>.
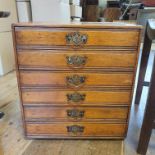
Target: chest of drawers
<point>76,80</point>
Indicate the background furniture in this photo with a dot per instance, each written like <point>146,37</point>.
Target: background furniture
<point>144,61</point>
<point>76,81</point>
<point>50,11</point>
<point>115,3</point>
<point>24,10</point>
<point>145,14</point>
<point>150,3</point>
<point>6,46</point>
<point>90,10</point>
<point>112,14</point>
<point>149,116</point>
<point>76,10</point>
<point>57,11</point>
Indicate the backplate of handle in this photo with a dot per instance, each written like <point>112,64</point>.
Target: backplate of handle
<point>76,38</point>
<point>75,80</point>
<point>75,97</point>
<point>75,129</point>
<point>76,61</point>
<point>75,113</point>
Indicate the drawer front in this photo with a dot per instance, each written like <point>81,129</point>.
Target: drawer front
<point>75,79</point>
<point>62,37</point>
<point>74,113</point>
<point>76,129</point>
<point>59,97</point>
<point>50,59</point>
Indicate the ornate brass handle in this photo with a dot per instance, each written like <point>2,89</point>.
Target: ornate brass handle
<point>76,61</point>
<point>75,97</point>
<point>76,38</point>
<point>75,129</point>
<point>75,80</point>
<point>75,114</point>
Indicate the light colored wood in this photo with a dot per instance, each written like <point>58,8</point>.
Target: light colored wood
<point>111,25</point>
<point>54,59</point>
<point>56,113</point>
<point>12,141</point>
<point>90,129</point>
<point>57,37</point>
<point>80,50</point>
<point>8,88</point>
<point>59,79</point>
<point>77,147</point>
<point>57,59</point>
<point>11,132</point>
<point>55,147</point>
<point>91,97</point>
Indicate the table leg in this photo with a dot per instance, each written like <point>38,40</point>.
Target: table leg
<point>143,66</point>
<point>149,116</point>
<point>145,134</point>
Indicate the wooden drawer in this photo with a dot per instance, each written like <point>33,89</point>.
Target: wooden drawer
<point>73,129</point>
<point>59,97</point>
<point>75,79</point>
<point>74,113</point>
<point>51,59</point>
<point>58,37</point>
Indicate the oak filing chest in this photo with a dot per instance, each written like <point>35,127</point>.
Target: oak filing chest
<point>76,80</point>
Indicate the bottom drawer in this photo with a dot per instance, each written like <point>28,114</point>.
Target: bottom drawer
<point>71,130</point>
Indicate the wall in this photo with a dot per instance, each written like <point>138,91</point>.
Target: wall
<point>6,46</point>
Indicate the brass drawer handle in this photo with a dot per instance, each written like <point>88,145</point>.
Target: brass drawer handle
<point>75,114</point>
<point>75,97</point>
<point>76,61</point>
<point>75,80</point>
<point>75,129</point>
<point>76,38</point>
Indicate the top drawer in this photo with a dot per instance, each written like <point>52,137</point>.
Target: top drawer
<point>76,37</point>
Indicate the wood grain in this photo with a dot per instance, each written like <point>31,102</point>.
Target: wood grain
<point>59,96</point>
<point>90,129</point>
<point>59,79</point>
<point>52,37</point>
<point>12,141</point>
<point>77,147</point>
<point>57,113</point>
<point>57,59</point>
<point>108,55</point>
<point>82,25</point>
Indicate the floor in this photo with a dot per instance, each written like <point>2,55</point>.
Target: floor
<point>11,141</point>
<point>9,96</point>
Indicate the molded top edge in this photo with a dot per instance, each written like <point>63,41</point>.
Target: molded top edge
<point>80,25</point>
